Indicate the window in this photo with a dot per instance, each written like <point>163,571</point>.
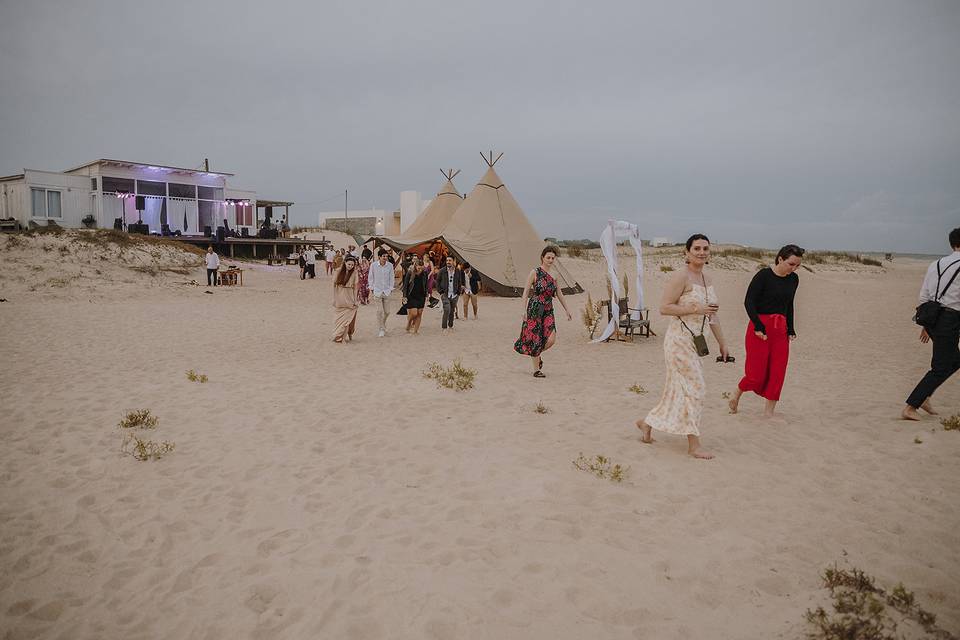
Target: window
<point>210,193</point>
<point>53,204</point>
<point>45,204</point>
<point>113,185</point>
<point>151,188</point>
<point>182,190</point>
<point>93,184</point>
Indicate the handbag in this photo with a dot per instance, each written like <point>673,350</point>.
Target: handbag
<point>699,340</point>
<point>927,313</point>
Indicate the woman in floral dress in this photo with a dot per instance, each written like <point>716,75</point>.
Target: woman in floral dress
<point>539,327</point>
<point>690,299</point>
<point>363,282</point>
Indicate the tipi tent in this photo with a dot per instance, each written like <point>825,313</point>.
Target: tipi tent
<point>491,232</point>
<point>430,223</point>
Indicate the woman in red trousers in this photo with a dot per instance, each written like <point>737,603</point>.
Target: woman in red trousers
<point>769,304</point>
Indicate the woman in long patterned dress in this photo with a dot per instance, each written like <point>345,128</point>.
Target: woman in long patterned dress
<point>690,298</point>
<point>539,327</point>
<point>363,281</point>
<point>345,301</point>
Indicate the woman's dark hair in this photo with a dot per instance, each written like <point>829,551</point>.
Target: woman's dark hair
<point>465,266</point>
<point>788,250</point>
<point>344,274</point>
<point>549,249</point>
<point>955,238</point>
<point>694,238</point>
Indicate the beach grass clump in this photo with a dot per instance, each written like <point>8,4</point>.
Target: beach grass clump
<point>750,253</point>
<point>602,467</point>
<point>666,268</point>
<point>589,313</point>
<point>575,251</point>
<point>139,419</point>
<point>193,376</point>
<point>144,450</point>
<point>864,610</point>
<point>541,408</point>
<point>952,423</point>
<point>637,388</point>
<point>455,377</point>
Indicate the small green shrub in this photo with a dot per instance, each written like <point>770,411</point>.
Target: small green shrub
<point>666,268</point>
<point>455,377</point>
<point>193,376</point>
<point>952,423</point>
<point>140,419</point>
<point>637,388</point>
<point>602,467</point>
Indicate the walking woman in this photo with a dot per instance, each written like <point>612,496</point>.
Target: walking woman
<point>691,301</point>
<point>345,300</point>
<point>769,304</point>
<point>430,268</point>
<point>363,281</point>
<point>415,296</point>
<point>539,326</point>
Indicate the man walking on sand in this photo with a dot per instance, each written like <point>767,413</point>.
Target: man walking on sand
<point>471,287</point>
<point>381,286</point>
<point>213,264</point>
<point>449,287</point>
<point>942,286</point>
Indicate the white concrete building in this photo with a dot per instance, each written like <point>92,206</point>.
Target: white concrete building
<point>98,193</point>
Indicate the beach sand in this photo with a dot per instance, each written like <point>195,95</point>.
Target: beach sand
<point>330,491</point>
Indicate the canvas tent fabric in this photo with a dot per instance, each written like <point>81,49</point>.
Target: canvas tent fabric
<point>491,232</point>
<point>430,223</point>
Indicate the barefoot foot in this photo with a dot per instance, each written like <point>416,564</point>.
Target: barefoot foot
<point>909,413</point>
<point>734,404</point>
<point>700,454</point>
<point>646,432</point>
<point>926,406</point>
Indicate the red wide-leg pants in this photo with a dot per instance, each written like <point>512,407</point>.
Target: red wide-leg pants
<point>766,363</point>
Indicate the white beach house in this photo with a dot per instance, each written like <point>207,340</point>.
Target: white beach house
<point>98,193</point>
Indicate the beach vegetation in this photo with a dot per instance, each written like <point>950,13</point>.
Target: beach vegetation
<point>456,376</point>
<point>666,268</point>
<point>861,609</point>
<point>602,467</point>
<point>541,408</point>
<point>139,419</point>
<point>589,313</point>
<point>952,423</point>
<point>637,388</point>
<point>193,376</point>
<point>750,253</point>
<point>144,450</point>
<point>575,251</point>
<point>725,395</point>
<point>917,440</point>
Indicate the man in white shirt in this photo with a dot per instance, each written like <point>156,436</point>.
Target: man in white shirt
<point>328,258</point>
<point>213,264</point>
<point>310,257</point>
<point>380,281</point>
<point>942,285</point>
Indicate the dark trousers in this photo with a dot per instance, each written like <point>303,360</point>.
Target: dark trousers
<point>311,270</point>
<point>211,277</point>
<point>449,308</point>
<point>946,356</point>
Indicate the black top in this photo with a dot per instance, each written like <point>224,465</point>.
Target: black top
<point>366,253</point>
<point>769,293</point>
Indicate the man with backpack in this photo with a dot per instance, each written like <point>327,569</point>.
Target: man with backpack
<point>939,315</point>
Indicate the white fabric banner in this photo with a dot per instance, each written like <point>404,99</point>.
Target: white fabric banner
<point>608,244</point>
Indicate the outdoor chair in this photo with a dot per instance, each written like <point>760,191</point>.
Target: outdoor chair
<point>627,326</point>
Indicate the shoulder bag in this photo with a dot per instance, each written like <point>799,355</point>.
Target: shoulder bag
<point>699,341</point>
<point>928,313</point>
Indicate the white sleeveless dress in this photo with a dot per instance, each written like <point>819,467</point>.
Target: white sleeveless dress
<point>681,406</point>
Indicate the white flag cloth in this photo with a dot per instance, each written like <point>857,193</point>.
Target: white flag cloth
<point>608,243</point>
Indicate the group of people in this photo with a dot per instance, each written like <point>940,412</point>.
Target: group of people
<point>418,279</point>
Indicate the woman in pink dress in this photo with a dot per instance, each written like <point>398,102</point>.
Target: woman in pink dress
<point>363,288</point>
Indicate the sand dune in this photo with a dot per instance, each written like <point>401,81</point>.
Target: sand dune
<point>323,490</point>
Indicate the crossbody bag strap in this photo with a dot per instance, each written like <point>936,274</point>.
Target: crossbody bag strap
<point>952,278</point>
<point>703,324</point>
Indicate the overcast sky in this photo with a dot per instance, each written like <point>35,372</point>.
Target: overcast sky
<point>830,124</point>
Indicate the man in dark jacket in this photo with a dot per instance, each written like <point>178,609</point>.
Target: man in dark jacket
<point>449,288</point>
<point>471,287</point>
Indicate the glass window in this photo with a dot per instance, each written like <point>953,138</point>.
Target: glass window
<point>38,203</point>
<point>93,184</point>
<point>53,204</point>
<point>182,190</point>
<point>210,193</point>
<point>113,185</point>
<point>151,188</point>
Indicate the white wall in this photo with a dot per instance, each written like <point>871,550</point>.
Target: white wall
<point>409,208</point>
<point>75,199</point>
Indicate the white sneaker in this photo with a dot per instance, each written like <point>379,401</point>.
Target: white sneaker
<point>381,334</point>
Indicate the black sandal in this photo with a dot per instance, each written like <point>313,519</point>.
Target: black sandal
<point>539,374</point>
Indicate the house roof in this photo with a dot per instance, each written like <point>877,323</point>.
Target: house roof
<point>19,176</point>
<point>130,164</point>
<point>273,203</point>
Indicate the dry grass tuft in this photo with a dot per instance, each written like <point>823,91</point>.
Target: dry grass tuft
<point>666,268</point>
<point>575,251</point>
<point>455,377</point>
<point>589,313</point>
<point>602,467</point>
<point>541,408</point>
<point>864,610</point>
<point>144,450</point>
<point>637,388</point>
<point>140,419</point>
<point>952,423</point>
<point>193,376</point>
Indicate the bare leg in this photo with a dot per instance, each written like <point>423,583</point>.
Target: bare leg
<point>537,363</point>
<point>646,431</point>
<point>417,319</point>
<point>693,448</point>
<point>909,413</point>
<point>769,408</point>
<point>926,406</point>
<point>734,402</point>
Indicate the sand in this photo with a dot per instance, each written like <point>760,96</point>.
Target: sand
<point>330,491</point>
